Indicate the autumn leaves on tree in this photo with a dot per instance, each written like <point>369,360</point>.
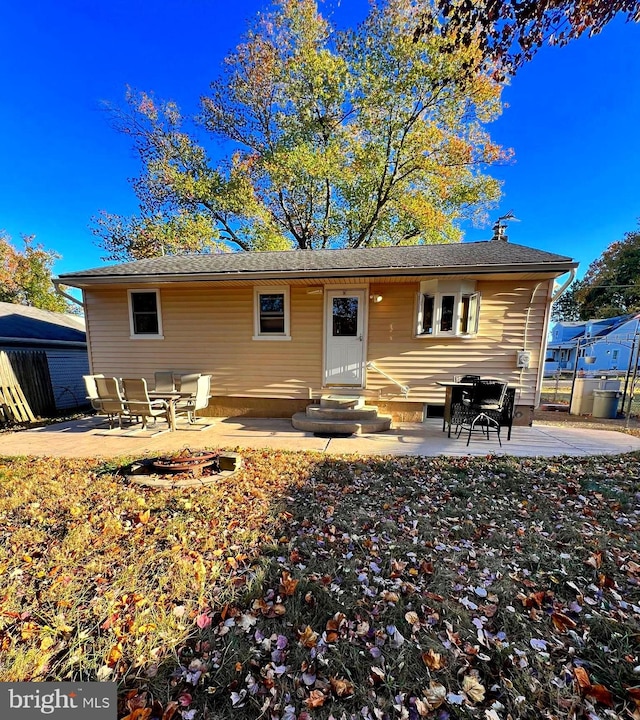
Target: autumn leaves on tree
<point>334,139</point>
<point>610,287</point>
<point>25,276</point>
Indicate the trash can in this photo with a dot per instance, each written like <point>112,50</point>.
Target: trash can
<point>605,403</point>
<point>582,399</point>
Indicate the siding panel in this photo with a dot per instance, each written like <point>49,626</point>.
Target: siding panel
<point>209,329</point>
<point>421,362</point>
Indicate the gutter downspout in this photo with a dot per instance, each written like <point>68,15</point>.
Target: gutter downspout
<point>552,297</point>
<point>543,348</point>
<point>565,285</point>
<point>66,295</point>
<point>80,303</point>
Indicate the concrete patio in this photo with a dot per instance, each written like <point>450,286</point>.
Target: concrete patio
<point>91,437</point>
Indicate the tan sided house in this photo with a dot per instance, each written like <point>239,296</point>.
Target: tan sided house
<point>276,329</point>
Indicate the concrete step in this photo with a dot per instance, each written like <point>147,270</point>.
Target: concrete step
<point>354,402</point>
<point>301,421</point>
<point>366,412</point>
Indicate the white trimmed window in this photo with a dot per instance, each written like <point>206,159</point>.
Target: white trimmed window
<point>145,319</point>
<point>271,313</point>
<point>447,308</point>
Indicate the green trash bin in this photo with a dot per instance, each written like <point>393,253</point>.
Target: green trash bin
<point>605,403</point>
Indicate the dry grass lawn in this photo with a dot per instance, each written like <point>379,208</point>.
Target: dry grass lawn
<point>330,588</point>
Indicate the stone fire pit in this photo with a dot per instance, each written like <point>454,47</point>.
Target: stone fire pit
<point>185,468</point>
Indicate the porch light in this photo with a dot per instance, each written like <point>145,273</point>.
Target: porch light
<point>375,298</point>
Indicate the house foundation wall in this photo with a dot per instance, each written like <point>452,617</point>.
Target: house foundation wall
<point>221,406</point>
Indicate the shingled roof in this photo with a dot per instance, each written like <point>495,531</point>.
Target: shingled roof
<point>417,259</point>
<point>25,325</point>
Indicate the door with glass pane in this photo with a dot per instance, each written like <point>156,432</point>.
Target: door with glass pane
<point>344,338</point>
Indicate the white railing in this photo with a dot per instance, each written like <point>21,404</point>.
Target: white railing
<point>404,389</point>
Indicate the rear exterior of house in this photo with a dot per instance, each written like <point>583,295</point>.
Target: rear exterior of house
<point>275,330</point>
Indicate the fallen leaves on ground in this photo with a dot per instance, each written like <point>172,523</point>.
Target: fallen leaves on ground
<point>345,588</point>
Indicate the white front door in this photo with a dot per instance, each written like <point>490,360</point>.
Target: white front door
<point>344,338</point>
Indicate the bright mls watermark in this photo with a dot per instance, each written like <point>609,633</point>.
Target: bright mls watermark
<point>58,700</point>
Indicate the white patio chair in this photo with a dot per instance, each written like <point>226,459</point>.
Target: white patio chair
<point>197,401</point>
<point>138,403</point>
<point>92,390</point>
<point>188,383</point>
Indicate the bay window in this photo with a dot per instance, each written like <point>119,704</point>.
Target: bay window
<point>447,308</point>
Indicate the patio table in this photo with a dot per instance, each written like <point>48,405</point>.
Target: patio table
<point>454,395</point>
<point>171,398</point>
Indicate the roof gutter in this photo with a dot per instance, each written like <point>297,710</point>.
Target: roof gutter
<point>83,280</point>
<point>28,342</point>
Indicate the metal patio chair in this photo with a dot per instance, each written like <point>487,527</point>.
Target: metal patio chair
<point>110,401</point>
<point>196,401</point>
<point>138,402</point>
<point>164,381</point>
<point>188,382</point>
<point>482,408</point>
<point>92,390</point>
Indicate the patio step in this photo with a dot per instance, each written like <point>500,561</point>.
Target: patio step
<point>353,402</point>
<point>331,426</point>
<point>366,412</point>
<point>341,415</point>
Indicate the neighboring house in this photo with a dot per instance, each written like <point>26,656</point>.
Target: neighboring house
<point>276,329</point>
<point>602,345</point>
<point>562,346</point>
<point>61,336</point>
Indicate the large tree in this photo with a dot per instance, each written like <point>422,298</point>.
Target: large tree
<point>359,138</point>
<point>611,285</point>
<point>25,275</point>
<point>567,307</point>
<point>509,32</point>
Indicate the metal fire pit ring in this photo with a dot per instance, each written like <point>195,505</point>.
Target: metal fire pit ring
<point>219,466</point>
<point>185,462</point>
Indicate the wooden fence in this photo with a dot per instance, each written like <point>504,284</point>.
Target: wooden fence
<point>25,386</point>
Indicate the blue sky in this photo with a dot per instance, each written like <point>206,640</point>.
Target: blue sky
<point>573,120</point>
